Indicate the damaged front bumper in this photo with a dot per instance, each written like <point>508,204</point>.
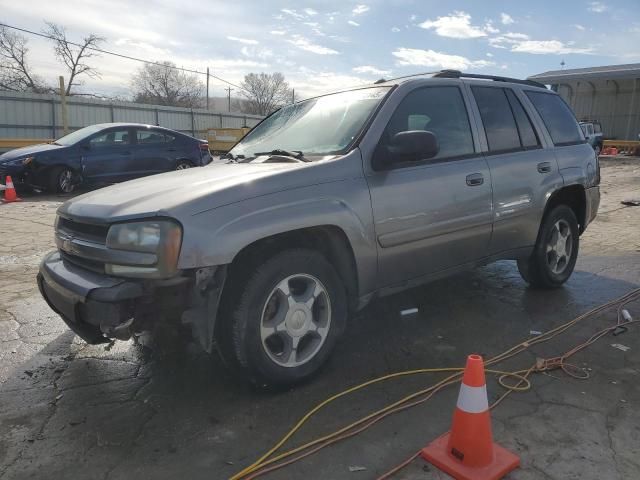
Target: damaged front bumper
<point>99,307</point>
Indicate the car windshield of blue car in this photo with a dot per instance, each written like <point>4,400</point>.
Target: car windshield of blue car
<point>319,126</point>
<point>78,135</point>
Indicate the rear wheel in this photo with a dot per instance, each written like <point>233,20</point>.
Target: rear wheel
<point>183,165</point>
<point>61,180</point>
<point>283,319</point>
<point>556,250</point>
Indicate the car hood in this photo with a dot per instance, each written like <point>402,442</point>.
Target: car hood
<point>185,192</point>
<point>30,150</point>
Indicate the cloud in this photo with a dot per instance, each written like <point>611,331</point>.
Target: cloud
<point>256,52</point>
<point>395,29</point>
<point>489,28</point>
<point>489,54</point>
<point>304,44</point>
<point>278,32</point>
<point>313,82</point>
<point>432,59</point>
<point>579,27</point>
<point>521,43</point>
<point>246,41</point>
<point>352,23</point>
<point>371,70</point>
<point>597,7</point>
<point>360,9</point>
<point>506,19</point>
<point>542,47</point>
<point>310,11</point>
<point>455,25</point>
<point>292,13</point>
<point>516,36</point>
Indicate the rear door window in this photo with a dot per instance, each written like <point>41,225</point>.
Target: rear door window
<point>497,117</point>
<point>111,138</point>
<point>440,110</point>
<point>151,137</point>
<point>528,137</point>
<point>557,117</point>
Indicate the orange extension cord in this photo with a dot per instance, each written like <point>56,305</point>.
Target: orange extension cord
<point>266,464</point>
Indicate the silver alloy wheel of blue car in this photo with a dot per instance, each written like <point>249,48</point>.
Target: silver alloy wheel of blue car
<point>65,181</point>
<point>296,319</point>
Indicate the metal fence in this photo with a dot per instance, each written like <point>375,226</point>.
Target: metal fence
<point>615,104</point>
<point>30,115</point>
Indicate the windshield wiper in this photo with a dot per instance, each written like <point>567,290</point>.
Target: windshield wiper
<point>297,154</point>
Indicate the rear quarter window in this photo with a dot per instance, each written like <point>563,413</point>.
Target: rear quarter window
<point>557,117</point>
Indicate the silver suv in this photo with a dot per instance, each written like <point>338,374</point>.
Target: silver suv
<point>325,205</point>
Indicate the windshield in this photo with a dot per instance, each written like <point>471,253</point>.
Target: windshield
<point>78,135</point>
<point>318,126</point>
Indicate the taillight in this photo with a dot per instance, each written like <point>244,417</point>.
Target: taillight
<point>204,146</point>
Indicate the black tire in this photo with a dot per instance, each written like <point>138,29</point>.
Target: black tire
<point>183,165</point>
<point>61,180</point>
<point>238,334</point>
<point>538,270</point>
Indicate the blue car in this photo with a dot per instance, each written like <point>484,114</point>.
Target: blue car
<point>103,154</point>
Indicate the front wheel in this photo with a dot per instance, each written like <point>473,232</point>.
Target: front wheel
<point>284,319</point>
<point>61,180</point>
<point>556,250</point>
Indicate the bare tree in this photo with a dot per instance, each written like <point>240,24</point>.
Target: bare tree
<point>265,92</point>
<point>74,56</point>
<point>164,84</point>
<point>15,71</point>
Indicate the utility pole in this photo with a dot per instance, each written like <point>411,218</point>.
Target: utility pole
<point>293,95</point>
<point>63,107</point>
<point>207,88</point>
<point>229,97</point>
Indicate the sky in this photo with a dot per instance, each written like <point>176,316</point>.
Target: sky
<point>322,46</point>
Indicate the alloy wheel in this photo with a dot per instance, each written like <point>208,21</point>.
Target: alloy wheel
<point>65,181</point>
<point>295,320</point>
<point>559,247</point>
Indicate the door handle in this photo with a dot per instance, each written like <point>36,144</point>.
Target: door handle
<point>475,179</point>
<point>544,167</point>
<point>171,149</point>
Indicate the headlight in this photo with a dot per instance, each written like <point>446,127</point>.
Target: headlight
<point>161,237</point>
<point>21,161</point>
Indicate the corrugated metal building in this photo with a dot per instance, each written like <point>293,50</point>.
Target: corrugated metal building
<point>29,115</point>
<point>609,94</point>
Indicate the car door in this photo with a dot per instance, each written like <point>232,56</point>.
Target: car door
<point>154,152</point>
<point>522,171</point>
<point>107,156</point>
<point>431,215</point>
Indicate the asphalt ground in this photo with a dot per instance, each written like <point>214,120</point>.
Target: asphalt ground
<point>73,411</point>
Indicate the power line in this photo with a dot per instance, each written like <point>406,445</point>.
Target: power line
<point>107,52</point>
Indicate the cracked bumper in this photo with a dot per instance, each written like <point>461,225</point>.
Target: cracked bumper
<point>87,302</point>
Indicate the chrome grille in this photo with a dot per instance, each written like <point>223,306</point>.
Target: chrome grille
<point>85,231</point>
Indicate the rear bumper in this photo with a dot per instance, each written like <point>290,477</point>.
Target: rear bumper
<point>593,203</point>
<point>92,305</point>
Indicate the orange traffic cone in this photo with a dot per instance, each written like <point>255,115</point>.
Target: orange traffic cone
<point>467,452</point>
<point>10,192</point>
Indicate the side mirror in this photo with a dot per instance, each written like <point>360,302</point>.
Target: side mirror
<point>412,146</point>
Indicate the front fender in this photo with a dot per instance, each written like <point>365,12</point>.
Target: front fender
<point>215,237</point>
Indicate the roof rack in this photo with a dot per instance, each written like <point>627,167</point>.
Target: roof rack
<point>459,74</point>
